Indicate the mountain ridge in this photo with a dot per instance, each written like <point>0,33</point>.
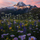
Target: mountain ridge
<point>18,9</point>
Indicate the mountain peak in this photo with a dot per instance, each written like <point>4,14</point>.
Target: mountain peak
<point>20,4</point>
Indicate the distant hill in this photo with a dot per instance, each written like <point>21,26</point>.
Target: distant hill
<point>36,11</point>
<point>18,8</point>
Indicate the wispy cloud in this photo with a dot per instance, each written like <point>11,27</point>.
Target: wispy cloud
<point>4,3</point>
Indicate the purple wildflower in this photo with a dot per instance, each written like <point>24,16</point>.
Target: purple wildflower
<point>29,34</point>
<point>32,37</point>
<point>34,31</point>
<point>15,38</point>
<point>36,28</point>
<point>20,25</point>
<point>18,31</point>
<point>2,36</point>
<point>12,35</point>
<point>24,30</point>
<point>21,31</point>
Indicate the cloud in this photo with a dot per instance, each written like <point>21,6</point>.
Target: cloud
<point>4,3</point>
<point>38,2</point>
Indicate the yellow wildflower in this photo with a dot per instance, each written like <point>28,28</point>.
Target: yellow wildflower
<point>19,26</point>
<point>7,38</point>
<point>10,28</point>
<point>12,39</point>
<point>25,25</point>
<point>26,21</point>
<point>1,29</point>
<point>22,25</point>
<point>32,24</point>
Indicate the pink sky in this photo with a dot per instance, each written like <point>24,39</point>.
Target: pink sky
<point>5,3</point>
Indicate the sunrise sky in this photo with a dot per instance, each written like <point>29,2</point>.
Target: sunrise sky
<point>6,3</point>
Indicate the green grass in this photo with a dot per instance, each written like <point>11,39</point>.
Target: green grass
<point>15,31</point>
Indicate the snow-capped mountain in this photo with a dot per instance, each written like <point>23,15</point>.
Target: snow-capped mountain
<point>11,7</point>
<point>20,4</point>
<point>18,8</point>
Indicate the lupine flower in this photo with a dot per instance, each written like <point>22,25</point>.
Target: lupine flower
<point>29,34</point>
<point>38,20</point>
<point>32,38</point>
<point>20,25</point>
<point>1,27</point>
<point>35,23</point>
<point>30,25</point>
<point>9,26</point>
<point>12,35</point>
<point>15,38</point>
<point>24,30</point>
